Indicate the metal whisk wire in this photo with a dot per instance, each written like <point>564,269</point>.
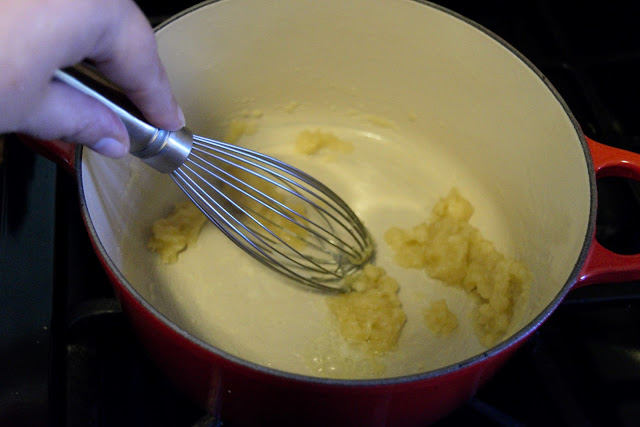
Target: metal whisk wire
<point>280,215</point>
<point>282,209</point>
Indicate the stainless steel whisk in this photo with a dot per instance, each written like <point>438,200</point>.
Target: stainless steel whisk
<point>278,214</point>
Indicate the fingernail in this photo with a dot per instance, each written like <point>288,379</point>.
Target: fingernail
<point>181,116</point>
<point>110,147</point>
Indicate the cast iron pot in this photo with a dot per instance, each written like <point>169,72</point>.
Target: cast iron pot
<point>462,87</point>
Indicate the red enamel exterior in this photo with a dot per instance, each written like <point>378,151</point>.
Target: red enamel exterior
<point>59,152</point>
<point>251,397</point>
<point>246,395</point>
<point>602,265</point>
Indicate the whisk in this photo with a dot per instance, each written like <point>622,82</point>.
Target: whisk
<point>278,214</point>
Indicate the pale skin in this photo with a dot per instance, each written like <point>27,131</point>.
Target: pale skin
<point>40,36</point>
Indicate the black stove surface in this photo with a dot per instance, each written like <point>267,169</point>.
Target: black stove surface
<point>68,357</point>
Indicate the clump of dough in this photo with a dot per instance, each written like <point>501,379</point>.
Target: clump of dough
<point>380,121</point>
<point>291,107</point>
<point>312,141</point>
<point>237,129</point>
<point>172,235</point>
<point>439,319</point>
<point>371,315</point>
<point>455,252</point>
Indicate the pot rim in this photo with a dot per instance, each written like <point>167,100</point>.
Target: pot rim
<point>513,340</point>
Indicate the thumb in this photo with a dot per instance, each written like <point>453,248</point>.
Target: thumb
<point>67,114</point>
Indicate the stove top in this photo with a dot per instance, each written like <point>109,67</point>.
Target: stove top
<point>68,357</point>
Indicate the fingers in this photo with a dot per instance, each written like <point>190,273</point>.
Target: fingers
<point>127,54</point>
<point>114,35</point>
<point>67,114</point>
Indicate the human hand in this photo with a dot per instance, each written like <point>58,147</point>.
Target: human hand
<point>40,36</point>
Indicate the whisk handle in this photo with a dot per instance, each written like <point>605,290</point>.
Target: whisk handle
<point>161,149</point>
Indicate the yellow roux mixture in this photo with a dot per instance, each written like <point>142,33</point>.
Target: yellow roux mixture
<point>391,323</point>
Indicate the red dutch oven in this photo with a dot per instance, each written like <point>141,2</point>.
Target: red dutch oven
<point>445,79</point>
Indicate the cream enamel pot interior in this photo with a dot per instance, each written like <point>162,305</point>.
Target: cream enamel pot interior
<point>466,110</point>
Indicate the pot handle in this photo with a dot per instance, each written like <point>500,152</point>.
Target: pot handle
<point>61,153</point>
<point>603,265</point>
